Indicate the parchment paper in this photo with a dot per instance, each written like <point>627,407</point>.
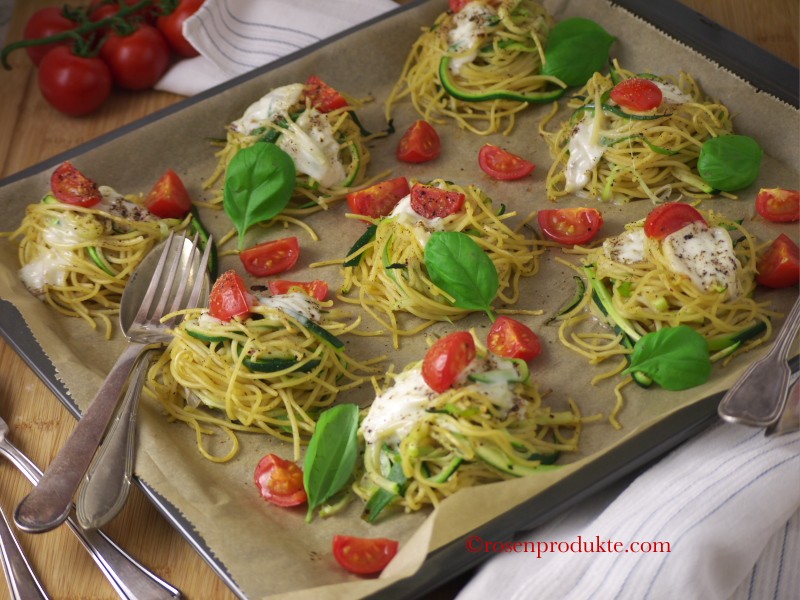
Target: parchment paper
<point>273,552</point>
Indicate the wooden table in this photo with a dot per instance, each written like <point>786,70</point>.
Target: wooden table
<point>31,131</point>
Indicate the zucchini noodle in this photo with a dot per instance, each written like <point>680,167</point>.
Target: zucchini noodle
<point>620,155</point>
<point>78,260</point>
<point>270,373</point>
<point>479,66</point>
<point>391,277</point>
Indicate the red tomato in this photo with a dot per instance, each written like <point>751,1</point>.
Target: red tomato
<point>280,481</point>
<point>778,205</point>
<point>378,200</point>
<point>511,339</point>
<point>364,556</point>
<point>101,9</point>
<point>229,297</point>
<point>668,218</point>
<point>322,96</point>
<point>271,258</point>
<point>457,5</point>
<point>46,22</point>
<point>73,84</point>
<point>73,187</point>
<point>447,359</point>
<point>169,199</point>
<point>420,143</point>
<point>570,225</point>
<point>316,289</point>
<point>137,60</point>
<point>637,94</point>
<point>501,164</point>
<point>431,201</point>
<point>171,26</point>
<point>779,266</point>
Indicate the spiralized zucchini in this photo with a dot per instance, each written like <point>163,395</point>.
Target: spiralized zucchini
<point>618,155</point>
<point>490,57</point>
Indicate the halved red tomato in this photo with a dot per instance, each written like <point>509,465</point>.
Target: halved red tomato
<point>420,143</point>
<point>71,186</point>
<point>637,94</point>
<point>316,289</point>
<point>364,556</point>
<point>778,205</point>
<point>378,200</point>
<point>280,481</point>
<point>271,258</point>
<point>502,164</point>
<point>323,97</point>
<point>668,218</point>
<point>511,339</point>
<point>431,202</point>
<point>229,297</point>
<point>779,266</point>
<point>570,225</point>
<point>447,359</point>
<point>169,198</point>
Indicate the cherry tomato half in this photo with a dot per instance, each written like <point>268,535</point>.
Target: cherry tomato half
<point>169,198</point>
<point>322,96</point>
<point>72,84</point>
<point>637,94</point>
<point>171,27</point>
<point>229,297</point>
<point>501,164</point>
<point>316,289</point>
<point>447,359</point>
<point>779,266</point>
<point>280,481</point>
<point>364,556</point>
<point>380,199</point>
<point>137,60</point>
<point>46,22</point>
<point>271,258</point>
<point>668,218</point>
<point>778,205</point>
<point>511,339</point>
<point>570,225</point>
<point>420,143</point>
<point>431,202</point>
<point>73,187</point>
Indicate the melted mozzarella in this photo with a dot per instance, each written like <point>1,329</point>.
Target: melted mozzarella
<point>470,24</point>
<point>50,268</point>
<point>705,255</point>
<point>585,151</point>
<point>627,247</point>
<point>394,412</point>
<point>311,143</point>
<point>274,104</point>
<point>115,204</point>
<point>297,302</point>
<point>672,94</point>
<point>422,226</point>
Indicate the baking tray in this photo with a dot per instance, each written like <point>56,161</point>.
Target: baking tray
<point>762,70</point>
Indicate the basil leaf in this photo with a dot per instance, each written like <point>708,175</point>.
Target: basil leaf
<point>458,265</point>
<point>331,455</point>
<point>258,185</point>
<point>576,49</point>
<point>730,162</point>
<point>676,358</point>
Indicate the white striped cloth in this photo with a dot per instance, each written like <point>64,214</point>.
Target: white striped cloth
<point>237,36</point>
<point>726,502</point>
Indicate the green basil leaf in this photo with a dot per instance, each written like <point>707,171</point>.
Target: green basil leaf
<point>460,267</point>
<point>676,358</point>
<point>568,29</point>
<point>258,185</point>
<point>730,162</point>
<point>331,455</point>
<point>576,49</point>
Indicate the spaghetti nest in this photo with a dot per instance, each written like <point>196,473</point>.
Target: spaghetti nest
<point>421,446</point>
<point>479,66</point>
<point>615,154</point>
<point>270,373</point>
<point>328,148</point>
<point>391,277</point>
<point>78,260</point>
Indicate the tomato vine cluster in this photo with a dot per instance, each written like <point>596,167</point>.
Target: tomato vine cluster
<point>82,52</point>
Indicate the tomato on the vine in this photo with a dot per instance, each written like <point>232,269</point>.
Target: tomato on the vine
<point>668,218</point>
<point>229,297</point>
<point>447,359</point>
<point>637,94</point>
<point>75,85</point>
<point>364,556</point>
<point>280,481</point>
<point>171,26</point>
<point>43,23</point>
<point>138,59</point>
<point>502,164</point>
<point>71,186</point>
<point>570,225</point>
<point>271,258</point>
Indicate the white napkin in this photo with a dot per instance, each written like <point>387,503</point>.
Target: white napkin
<point>237,36</point>
<point>726,502</point>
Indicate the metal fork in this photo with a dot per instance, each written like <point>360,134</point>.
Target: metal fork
<point>22,580</point>
<point>49,503</point>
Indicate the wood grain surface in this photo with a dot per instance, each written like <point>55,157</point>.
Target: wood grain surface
<point>31,131</point>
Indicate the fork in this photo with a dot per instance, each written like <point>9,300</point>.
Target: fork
<point>50,502</point>
<point>130,579</point>
<point>22,581</point>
